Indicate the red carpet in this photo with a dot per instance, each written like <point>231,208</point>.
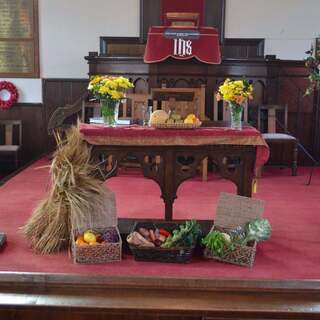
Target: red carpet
<point>293,209</point>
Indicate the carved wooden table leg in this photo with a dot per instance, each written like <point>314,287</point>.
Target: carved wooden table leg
<point>170,166</point>
<point>169,190</point>
<point>181,163</point>
<point>236,163</point>
<point>161,169</point>
<point>244,187</point>
<point>165,175</point>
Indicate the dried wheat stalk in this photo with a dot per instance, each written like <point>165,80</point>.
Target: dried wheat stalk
<point>74,195</point>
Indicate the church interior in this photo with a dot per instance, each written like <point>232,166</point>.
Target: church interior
<point>159,159</point>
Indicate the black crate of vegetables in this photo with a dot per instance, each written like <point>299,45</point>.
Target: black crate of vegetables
<point>164,241</point>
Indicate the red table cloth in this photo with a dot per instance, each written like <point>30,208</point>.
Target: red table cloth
<point>183,43</point>
<point>146,136</point>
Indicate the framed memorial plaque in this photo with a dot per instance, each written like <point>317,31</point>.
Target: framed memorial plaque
<point>19,38</point>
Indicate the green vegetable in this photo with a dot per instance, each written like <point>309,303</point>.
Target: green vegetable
<point>186,236</point>
<point>216,242</point>
<point>257,230</point>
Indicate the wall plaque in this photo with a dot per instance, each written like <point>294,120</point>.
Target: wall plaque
<point>19,43</point>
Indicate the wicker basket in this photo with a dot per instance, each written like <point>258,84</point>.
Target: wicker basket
<point>234,211</point>
<point>172,255</point>
<point>176,125</point>
<point>100,253</point>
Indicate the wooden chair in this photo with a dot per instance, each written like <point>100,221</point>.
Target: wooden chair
<point>183,100</point>
<point>12,139</point>
<point>138,103</point>
<point>272,137</point>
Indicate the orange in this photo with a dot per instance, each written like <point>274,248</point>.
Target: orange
<point>79,240</point>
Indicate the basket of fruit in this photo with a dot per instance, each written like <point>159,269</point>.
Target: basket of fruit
<point>237,230</point>
<point>164,242</point>
<point>97,246</point>
<point>96,239</point>
<point>162,120</point>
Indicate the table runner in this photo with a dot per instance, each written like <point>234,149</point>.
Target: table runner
<point>147,136</point>
<point>204,47</point>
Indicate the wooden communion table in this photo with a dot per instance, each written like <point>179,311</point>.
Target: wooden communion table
<point>170,156</point>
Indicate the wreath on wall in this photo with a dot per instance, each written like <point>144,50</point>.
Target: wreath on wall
<point>12,95</point>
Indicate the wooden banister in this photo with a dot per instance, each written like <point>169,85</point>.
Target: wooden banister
<point>62,113</point>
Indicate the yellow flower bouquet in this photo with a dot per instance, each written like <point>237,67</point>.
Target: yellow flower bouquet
<point>110,91</point>
<point>235,92</point>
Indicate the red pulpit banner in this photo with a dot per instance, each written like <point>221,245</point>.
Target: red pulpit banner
<point>201,43</point>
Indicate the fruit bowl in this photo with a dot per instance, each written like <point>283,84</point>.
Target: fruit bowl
<point>162,120</point>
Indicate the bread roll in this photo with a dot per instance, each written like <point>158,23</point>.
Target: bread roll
<point>159,117</point>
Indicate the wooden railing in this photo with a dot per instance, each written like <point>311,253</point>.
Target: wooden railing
<point>59,116</point>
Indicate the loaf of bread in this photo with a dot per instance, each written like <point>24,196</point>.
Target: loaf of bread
<point>159,117</point>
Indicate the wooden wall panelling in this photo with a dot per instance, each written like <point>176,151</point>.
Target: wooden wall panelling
<point>215,15</point>
<point>58,93</point>
<point>130,66</point>
<point>149,16</point>
<point>243,48</point>
<point>113,46</point>
<point>33,129</point>
<point>272,83</point>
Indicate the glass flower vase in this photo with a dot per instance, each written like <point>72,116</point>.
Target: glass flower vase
<point>236,111</point>
<point>109,112</point>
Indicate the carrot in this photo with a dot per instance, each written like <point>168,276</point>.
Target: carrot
<point>144,232</point>
<point>152,235</point>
